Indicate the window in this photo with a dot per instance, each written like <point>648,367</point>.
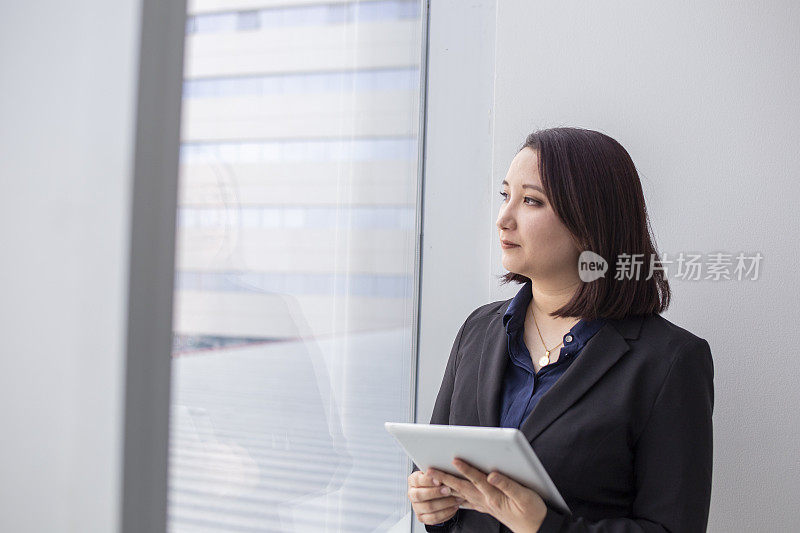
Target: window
<point>295,267</point>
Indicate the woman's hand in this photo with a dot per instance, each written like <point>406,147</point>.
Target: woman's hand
<point>516,506</point>
<point>433,503</point>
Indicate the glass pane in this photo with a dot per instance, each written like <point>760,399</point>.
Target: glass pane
<point>304,15</point>
<point>295,266</point>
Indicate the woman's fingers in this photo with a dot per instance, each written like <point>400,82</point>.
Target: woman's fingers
<point>432,501</point>
<point>439,516</point>
<point>420,479</point>
<point>477,477</point>
<point>463,487</point>
<point>509,487</point>
<point>422,494</point>
<point>454,482</point>
<point>432,506</point>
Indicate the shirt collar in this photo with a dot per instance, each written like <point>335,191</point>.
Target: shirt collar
<point>574,339</point>
<point>514,317</point>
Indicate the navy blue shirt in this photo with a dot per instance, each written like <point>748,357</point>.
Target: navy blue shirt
<point>522,386</point>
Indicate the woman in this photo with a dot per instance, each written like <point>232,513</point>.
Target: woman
<point>615,400</point>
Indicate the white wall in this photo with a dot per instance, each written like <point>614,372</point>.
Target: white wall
<point>704,97</point>
<point>68,92</point>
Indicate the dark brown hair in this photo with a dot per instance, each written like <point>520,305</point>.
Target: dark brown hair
<point>594,188</point>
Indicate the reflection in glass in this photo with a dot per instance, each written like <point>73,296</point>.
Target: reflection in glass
<point>295,267</point>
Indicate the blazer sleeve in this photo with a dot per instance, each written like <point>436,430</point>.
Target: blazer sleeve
<point>441,411</point>
<point>672,456</point>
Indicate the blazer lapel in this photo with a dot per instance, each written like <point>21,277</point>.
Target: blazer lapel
<point>492,367</point>
<point>600,353</point>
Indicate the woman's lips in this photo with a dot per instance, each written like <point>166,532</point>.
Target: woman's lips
<point>508,245</point>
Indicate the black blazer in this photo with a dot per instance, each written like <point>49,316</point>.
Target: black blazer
<point>625,433</point>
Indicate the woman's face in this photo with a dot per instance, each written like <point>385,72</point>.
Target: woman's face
<point>546,250</point>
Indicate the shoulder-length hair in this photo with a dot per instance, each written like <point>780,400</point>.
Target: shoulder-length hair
<point>594,188</point>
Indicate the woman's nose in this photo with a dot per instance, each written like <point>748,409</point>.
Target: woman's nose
<point>504,219</point>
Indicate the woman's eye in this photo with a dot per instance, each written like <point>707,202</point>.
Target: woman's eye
<point>533,201</point>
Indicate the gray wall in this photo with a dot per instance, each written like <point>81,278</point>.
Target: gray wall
<point>704,97</point>
<point>89,120</point>
<point>67,111</point>
<point>457,201</point>
<point>457,183</point>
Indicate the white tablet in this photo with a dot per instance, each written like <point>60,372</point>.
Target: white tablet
<point>486,448</point>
